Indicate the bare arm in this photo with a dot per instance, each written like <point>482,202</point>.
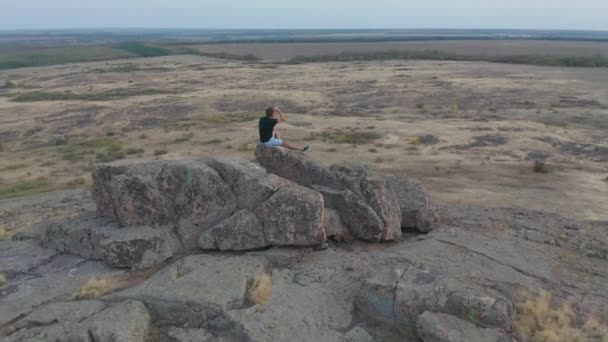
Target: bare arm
<point>282,116</point>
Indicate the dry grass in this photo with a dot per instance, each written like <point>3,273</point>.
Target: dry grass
<point>2,279</point>
<point>96,287</point>
<point>259,289</point>
<point>4,234</point>
<point>538,321</point>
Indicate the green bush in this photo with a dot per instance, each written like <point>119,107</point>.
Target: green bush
<point>131,151</point>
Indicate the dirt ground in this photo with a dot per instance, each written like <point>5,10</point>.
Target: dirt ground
<point>470,131</point>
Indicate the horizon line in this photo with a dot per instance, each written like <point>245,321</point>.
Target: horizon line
<point>293,29</point>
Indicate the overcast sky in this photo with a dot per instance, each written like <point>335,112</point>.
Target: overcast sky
<point>526,14</point>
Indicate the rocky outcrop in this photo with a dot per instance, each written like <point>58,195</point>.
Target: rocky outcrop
<point>367,206</point>
<point>417,209</point>
<point>147,212</point>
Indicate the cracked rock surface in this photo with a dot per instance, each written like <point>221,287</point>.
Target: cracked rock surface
<point>186,274</point>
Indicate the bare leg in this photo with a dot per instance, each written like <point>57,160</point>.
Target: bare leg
<point>276,135</point>
<point>291,147</point>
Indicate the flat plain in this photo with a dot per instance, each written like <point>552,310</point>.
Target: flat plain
<point>471,131</point>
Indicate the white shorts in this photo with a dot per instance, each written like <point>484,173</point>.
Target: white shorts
<point>274,142</point>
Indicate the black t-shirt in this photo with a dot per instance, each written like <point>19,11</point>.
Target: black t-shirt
<point>267,128</point>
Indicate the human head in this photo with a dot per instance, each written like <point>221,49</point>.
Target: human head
<point>269,112</point>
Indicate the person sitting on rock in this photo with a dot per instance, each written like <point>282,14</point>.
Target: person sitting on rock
<point>268,134</point>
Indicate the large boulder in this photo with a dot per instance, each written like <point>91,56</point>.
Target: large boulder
<point>417,209</point>
<point>250,183</point>
<point>149,211</point>
<point>354,190</point>
<point>128,321</point>
<point>359,218</point>
<point>158,193</point>
<point>138,247</point>
<point>97,239</point>
<point>373,189</point>
<point>293,217</point>
<point>240,231</point>
<point>296,167</point>
<point>438,327</point>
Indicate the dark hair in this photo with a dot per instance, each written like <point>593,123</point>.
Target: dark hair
<point>269,112</point>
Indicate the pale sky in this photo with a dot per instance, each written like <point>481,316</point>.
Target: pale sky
<point>286,14</point>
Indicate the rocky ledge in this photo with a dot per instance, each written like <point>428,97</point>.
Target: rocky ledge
<point>224,250</point>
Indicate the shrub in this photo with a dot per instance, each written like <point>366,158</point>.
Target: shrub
<point>143,136</point>
<point>110,133</point>
<point>373,150</point>
<point>4,235</point>
<point>2,279</point>
<point>213,142</point>
<point>182,139</point>
<point>95,288</point>
<point>160,152</point>
<point>109,156</point>
<point>420,105</point>
<point>132,150</point>
<point>540,167</point>
<point>537,321</point>
<point>259,289</point>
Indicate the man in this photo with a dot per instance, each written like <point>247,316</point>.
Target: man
<point>269,136</point>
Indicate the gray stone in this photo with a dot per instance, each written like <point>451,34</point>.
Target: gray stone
<point>370,198</point>
<point>197,290</point>
<point>163,192</point>
<point>196,192</point>
<point>374,190</point>
<point>190,335</point>
<point>20,256</point>
<point>376,298</point>
<point>138,247</point>
<point>417,209</point>
<point>396,298</point>
<point>64,313</point>
<point>437,327</point>
<point>293,217</point>
<point>360,219</point>
<point>128,321</point>
<point>297,167</point>
<point>134,247</point>
<point>57,279</point>
<point>79,236</point>
<point>357,334</point>
<point>334,227</point>
<point>251,184</point>
<point>241,231</point>
<point>284,256</point>
<point>422,290</point>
